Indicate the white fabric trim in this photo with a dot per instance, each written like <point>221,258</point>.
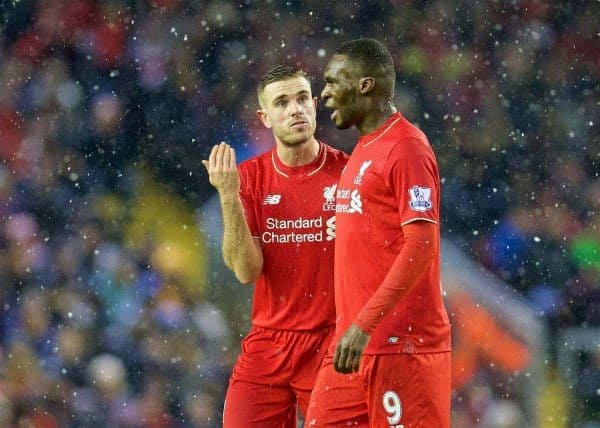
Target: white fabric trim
<point>321,147</point>
<point>383,133</point>
<point>419,218</point>
<point>322,163</point>
<point>275,165</point>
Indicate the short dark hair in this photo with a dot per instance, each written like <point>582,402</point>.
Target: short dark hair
<point>370,55</point>
<point>278,73</point>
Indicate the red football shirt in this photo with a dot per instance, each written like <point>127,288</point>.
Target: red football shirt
<point>390,180</point>
<point>292,211</point>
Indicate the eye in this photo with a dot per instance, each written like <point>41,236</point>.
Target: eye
<point>280,103</point>
<point>303,99</point>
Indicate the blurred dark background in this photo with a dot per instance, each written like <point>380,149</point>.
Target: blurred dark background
<point>115,308</point>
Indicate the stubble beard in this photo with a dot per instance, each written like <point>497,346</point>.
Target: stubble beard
<point>293,139</point>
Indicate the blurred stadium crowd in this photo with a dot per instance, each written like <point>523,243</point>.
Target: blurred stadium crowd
<point>114,308</point>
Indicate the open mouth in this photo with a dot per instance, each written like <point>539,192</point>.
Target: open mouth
<point>299,124</point>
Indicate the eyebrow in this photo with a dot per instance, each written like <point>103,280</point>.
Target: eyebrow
<point>328,76</point>
<point>279,97</point>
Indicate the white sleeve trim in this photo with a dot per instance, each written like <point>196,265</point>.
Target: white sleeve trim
<point>418,218</point>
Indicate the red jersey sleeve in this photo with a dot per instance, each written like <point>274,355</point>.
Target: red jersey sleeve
<point>415,257</point>
<point>248,202</point>
<point>414,180</point>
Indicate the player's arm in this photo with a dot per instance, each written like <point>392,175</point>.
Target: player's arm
<point>419,227</point>
<point>417,254</point>
<point>241,252</point>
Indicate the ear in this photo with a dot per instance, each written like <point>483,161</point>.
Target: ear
<point>315,101</point>
<point>263,117</point>
<point>366,84</point>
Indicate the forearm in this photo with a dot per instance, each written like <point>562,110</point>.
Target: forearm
<point>411,263</point>
<point>240,252</point>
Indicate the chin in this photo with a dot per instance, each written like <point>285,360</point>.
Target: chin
<point>343,125</point>
<point>339,122</point>
<point>297,141</point>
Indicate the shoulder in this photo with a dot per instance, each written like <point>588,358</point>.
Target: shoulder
<point>255,163</point>
<point>406,137</point>
<point>409,143</point>
<point>254,169</point>
<point>411,151</point>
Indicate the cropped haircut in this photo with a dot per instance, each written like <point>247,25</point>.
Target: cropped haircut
<point>371,56</point>
<point>277,74</point>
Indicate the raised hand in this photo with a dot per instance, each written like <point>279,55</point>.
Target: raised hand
<point>222,170</point>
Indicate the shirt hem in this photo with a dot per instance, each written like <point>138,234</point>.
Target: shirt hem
<point>303,330</point>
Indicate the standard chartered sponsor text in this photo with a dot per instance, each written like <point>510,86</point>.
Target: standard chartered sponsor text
<point>282,231</point>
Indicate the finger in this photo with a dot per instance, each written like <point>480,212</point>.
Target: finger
<point>212,158</point>
<point>356,362</point>
<point>347,366</point>
<point>232,161</point>
<point>226,157</point>
<point>341,367</point>
<point>336,357</point>
<point>219,156</point>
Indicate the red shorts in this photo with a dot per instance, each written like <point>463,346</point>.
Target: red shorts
<point>389,391</point>
<point>275,372</point>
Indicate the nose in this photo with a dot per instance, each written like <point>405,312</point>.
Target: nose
<point>295,108</point>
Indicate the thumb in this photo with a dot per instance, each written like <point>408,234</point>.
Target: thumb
<point>205,163</point>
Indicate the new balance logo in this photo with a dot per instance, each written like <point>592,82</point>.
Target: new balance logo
<point>272,199</point>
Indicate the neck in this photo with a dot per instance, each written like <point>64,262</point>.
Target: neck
<point>300,154</point>
<point>375,116</point>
